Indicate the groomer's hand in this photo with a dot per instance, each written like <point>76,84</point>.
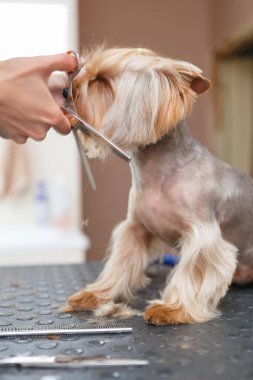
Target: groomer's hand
<point>29,102</point>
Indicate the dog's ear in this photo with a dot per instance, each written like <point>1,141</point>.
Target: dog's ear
<point>200,84</point>
<point>192,75</point>
<point>184,83</point>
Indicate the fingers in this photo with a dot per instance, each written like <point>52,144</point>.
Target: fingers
<point>20,139</point>
<point>59,62</point>
<point>73,121</point>
<point>61,123</point>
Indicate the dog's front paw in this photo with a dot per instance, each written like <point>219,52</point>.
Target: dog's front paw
<point>163,314</point>
<point>83,301</point>
<point>89,301</point>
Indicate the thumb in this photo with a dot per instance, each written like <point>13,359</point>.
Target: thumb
<point>59,62</point>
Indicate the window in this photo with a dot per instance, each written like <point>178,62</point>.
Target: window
<point>234,133</point>
<point>35,27</point>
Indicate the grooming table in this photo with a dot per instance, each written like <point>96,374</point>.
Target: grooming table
<point>219,349</point>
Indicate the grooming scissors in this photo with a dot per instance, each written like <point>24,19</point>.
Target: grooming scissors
<point>69,106</point>
<point>86,128</point>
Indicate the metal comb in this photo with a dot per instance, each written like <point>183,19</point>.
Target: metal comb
<point>45,361</point>
<point>88,129</point>
<point>64,329</point>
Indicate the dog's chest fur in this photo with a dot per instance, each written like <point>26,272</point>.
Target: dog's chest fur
<point>166,184</point>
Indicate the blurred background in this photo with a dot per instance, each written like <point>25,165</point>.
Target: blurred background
<point>48,213</point>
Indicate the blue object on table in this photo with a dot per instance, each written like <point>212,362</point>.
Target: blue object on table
<point>170,260</point>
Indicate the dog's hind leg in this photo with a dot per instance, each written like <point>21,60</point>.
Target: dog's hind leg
<point>200,279</point>
<point>122,275</point>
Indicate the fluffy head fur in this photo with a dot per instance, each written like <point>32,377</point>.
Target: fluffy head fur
<point>133,96</point>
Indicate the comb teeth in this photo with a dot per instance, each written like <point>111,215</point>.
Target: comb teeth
<point>64,326</point>
<point>116,151</point>
<point>88,129</point>
<point>120,154</point>
<point>114,148</point>
<point>84,129</point>
<point>61,329</point>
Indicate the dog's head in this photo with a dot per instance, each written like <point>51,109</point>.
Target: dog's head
<point>134,96</point>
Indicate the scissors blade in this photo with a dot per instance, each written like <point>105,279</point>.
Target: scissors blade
<point>84,159</point>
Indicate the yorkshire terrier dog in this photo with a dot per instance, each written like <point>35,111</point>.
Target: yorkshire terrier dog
<point>180,194</point>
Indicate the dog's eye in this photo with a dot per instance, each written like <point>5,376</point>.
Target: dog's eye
<point>65,93</point>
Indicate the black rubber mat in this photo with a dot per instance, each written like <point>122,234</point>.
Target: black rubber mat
<point>219,349</point>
